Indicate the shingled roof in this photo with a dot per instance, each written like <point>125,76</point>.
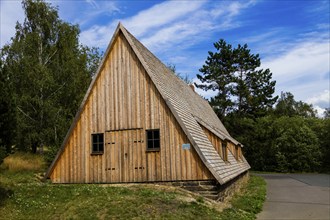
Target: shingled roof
<point>191,111</point>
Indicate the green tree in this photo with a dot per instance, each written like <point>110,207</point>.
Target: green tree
<point>283,144</point>
<point>217,75</point>
<point>7,114</point>
<point>297,145</point>
<point>288,106</point>
<point>242,87</point>
<point>326,113</point>
<point>321,127</point>
<point>49,72</point>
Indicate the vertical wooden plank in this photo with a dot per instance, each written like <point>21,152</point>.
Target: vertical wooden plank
<point>178,153</point>
<point>128,156</point>
<point>109,157</point>
<point>82,146</point>
<point>137,157</point>
<point>103,122</point>
<point>113,168</point>
<point>132,155</point>
<point>120,156</point>
<point>151,104</point>
<point>147,103</point>
<point>121,85</point>
<point>92,128</point>
<point>62,167</point>
<point>126,151</point>
<point>123,99</point>
<point>107,95</point>
<point>192,163</point>
<point>115,85</point>
<point>76,161</point>
<point>99,125</point>
<point>106,157</point>
<point>111,89</point>
<point>162,140</point>
<point>137,93</point>
<point>123,155</point>
<point>184,158</point>
<point>54,176</point>
<point>168,146</point>
<point>71,159</point>
<point>88,140</point>
<point>173,145</point>
<point>132,93</point>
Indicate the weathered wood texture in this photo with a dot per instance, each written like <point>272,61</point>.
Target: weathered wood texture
<point>122,104</point>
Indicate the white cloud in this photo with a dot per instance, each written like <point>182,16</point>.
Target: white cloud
<point>144,22</point>
<point>320,111</point>
<point>171,23</point>
<point>304,59</point>
<point>10,13</point>
<point>321,99</point>
<point>161,14</point>
<point>303,70</point>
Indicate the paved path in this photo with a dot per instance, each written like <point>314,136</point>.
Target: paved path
<point>296,196</point>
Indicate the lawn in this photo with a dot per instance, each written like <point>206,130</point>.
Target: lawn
<point>24,196</point>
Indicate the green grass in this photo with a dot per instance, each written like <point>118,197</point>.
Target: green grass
<point>24,196</point>
<point>27,198</point>
<point>249,203</point>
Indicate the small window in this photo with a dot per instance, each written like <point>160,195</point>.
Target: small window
<point>97,143</point>
<point>224,151</point>
<point>236,152</point>
<point>153,140</point>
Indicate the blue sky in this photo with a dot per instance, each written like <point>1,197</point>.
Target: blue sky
<point>291,37</point>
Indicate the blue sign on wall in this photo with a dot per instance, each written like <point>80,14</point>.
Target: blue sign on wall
<point>186,146</point>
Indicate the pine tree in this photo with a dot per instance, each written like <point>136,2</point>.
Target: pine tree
<point>242,87</point>
<point>218,76</point>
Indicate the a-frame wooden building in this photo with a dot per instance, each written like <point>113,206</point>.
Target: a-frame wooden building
<point>139,123</point>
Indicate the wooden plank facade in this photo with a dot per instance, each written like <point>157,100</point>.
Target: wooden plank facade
<point>121,105</point>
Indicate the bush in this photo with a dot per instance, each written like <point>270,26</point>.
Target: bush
<point>284,144</point>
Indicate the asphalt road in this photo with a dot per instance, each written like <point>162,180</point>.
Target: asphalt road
<point>296,196</point>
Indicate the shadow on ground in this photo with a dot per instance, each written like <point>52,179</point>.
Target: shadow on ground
<point>4,195</point>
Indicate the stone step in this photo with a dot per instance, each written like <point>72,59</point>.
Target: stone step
<point>193,188</point>
<point>214,197</point>
<point>208,192</point>
<point>209,187</point>
<point>208,182</point>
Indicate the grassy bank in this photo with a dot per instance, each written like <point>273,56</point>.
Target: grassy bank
<point>249,202</point>
<point>24,196</point>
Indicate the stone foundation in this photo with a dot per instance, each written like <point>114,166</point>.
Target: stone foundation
<point>212,189</point>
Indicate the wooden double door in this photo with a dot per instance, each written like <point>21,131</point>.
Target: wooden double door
<point>125,154</point>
